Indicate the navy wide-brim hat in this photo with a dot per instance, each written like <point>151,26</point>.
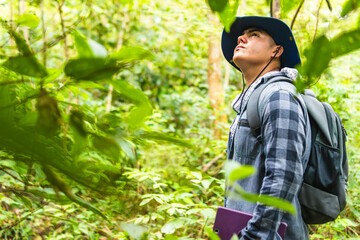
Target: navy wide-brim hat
<point>276,28</point>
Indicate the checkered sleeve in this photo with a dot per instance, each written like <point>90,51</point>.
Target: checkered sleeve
<point>283,126</point>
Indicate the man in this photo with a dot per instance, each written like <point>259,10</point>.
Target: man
<point>261,47</point>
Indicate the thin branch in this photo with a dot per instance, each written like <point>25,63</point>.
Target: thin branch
<point>317,19</point>
<point>69,30</point>
<point>19,103</point>
<point>296,14</point>
<point>11,175</point>
<point>14,82</point>
<point>62,22</point>
<point>207,166</point>
<point>43,26</point>
<point>16,223</point>
<point>109,98</point>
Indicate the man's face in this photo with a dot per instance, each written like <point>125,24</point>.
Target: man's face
<point>255,48</point>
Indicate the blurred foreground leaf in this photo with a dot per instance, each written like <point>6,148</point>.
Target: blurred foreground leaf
<point>235,171</point>
<point>6,99</point>
<point>49,118</point>
<point>212,234</point>
<point>29,20</point>
<point>264,199</point>
<point>318,56</point>
<point>26,65</point>
<point>241,172</point>
<point>107,146</point>
<point>349,6</point>
<point>88,48</point>
<point>345,43</point>
<point>132,53</point>
<point>217,5</point>
<point>91,68</point>
<point>143,107</point>
<point>54,179</point>
<point>228,14</point>
<point>164,137</point>
<point>287,6</point>
<point>321,52</point>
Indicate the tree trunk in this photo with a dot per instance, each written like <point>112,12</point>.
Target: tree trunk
<point>275,8</point>
<point>43,27</point>
<point>216,91</point>
<point>24,29</point>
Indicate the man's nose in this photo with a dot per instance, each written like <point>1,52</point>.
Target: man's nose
<point>242,39</point>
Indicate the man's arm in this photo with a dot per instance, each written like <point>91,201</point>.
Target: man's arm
<point>283,126</point>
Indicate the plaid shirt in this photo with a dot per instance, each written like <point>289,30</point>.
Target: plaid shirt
<point>279,161</point>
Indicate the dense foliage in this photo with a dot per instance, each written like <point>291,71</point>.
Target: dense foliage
<point>105,121</point>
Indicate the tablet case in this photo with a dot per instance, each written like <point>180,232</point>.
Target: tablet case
<point>229,222</point>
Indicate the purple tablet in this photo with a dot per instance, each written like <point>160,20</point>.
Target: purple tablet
<point>229,222</point>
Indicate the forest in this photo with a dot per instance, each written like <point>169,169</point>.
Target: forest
<point>114,115</point>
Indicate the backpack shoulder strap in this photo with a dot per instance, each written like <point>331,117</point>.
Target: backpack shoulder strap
<point>253,103</point>
<point>318,112</point>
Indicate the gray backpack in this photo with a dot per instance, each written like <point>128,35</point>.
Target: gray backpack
<point>323,192</point>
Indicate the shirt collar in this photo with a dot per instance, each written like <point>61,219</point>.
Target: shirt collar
<point>241,98</point>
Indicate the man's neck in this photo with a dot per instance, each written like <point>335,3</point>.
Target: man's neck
<point>250,75</point>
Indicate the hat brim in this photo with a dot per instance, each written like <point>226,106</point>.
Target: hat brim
<point>276,28</point>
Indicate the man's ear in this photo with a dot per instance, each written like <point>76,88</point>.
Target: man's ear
<point>278,51</point>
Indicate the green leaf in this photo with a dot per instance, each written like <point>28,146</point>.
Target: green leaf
<point>29,20</point>
<point>55,180</point>
<point>235,171</point>
<point>228,15</point>
<point>143,107</point>
<point>107,146</point>
<point>217,5</point>
<point>91,68</point>
<point>206,183</point>
<point>345,43</point>
<point>80,133</point>
<point>171,237</point>
<point>349,5</point>
<point>26,65</point>
<point>88,48</point>
<point>77,122</point>
<point>23,199</point>
<point>56,197</point>
<point>145,201</point>
<point>19,40</point>
<point>234,237</point>
<point>197,175</point>
<point>132,53</point>
<point>212,234</point>
<point>53,75</point>
<point>135,231</point>
<point>265,199</point>
<point>171,226</point>
<point>318,56</point>
<point>208,213</point>
<point>49,116</point>
<point>164,137</point>
<point>88,84</point>
<point>97,49</point>
<point>6,113</point>
<point>288,5</point>
<point>82,45</point>
<point>241,172</point>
